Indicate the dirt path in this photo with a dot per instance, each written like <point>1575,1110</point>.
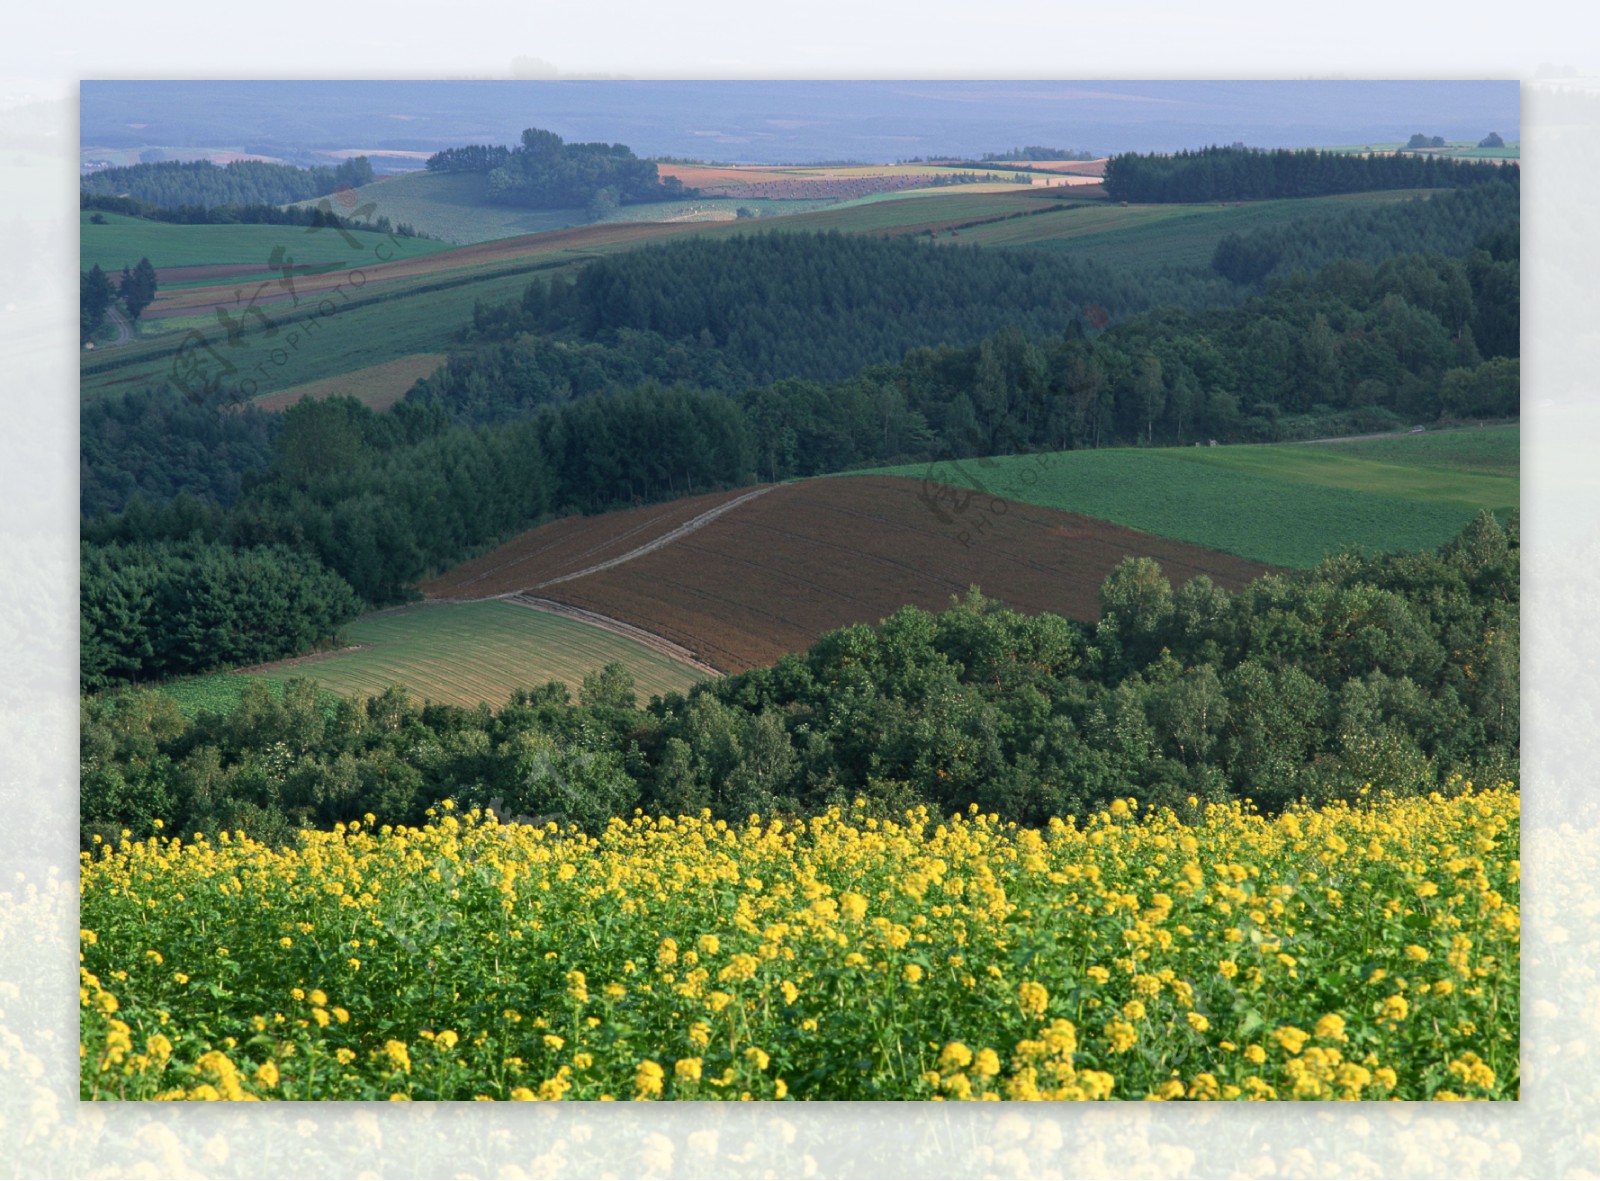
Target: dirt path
<point>124,332</point>
<point>668,538</point>
<point>626,630</point>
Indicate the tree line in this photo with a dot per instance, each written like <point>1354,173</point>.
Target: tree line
<point>172,183</point>
<point>315,216</point>
<point>1391,672</point>
<point>1250,174</point>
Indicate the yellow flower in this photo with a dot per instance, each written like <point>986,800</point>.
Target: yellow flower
<point>1255,1055</point>
<point>1290,1038</point>
<point>790,992</point>
<point>853,906</point>
<point>647,1078</point>
<point>1228,968</point>
<point>709,945</point>
<point>1394,1008</point>
<point>267,1074</point>
<point>913,973</point>
<point>398,1055</point>
<point>554,1041</point>
<point>986,1063</point>
<point>1197,1022</point>
<point>1034,998</point>
<point>757,1056</point>
<point>1330,1028</point>
<point>317,997</point>
<point>1418,954</point>
<point>954,1056</point>
<point>687,1069</point>
<point>1098,974</point>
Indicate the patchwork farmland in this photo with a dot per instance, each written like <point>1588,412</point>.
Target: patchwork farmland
<point>773,574</point>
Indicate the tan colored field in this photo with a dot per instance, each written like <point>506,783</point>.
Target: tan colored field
<point>377,386</point>
<point>776,572</point>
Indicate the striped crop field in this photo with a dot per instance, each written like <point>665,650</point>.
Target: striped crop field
<point>466,653</point>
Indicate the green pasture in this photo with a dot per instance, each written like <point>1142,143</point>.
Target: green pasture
<point>123,241</point>
<point>1286,505</point>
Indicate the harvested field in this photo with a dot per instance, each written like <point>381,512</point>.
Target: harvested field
<point>464,653</point>
<point>773,574</point>
<point>377,387</point>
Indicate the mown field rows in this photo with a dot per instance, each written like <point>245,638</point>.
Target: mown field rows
<point>773,575</point>
<point>1282,505</point>
<point>1352,953</point>
<point>466,653</point>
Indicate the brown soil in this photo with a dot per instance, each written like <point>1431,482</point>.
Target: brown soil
<point>775,573</point>
<point>566,546</point>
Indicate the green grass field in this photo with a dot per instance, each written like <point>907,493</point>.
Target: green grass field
<point>450,206</point>
<point>1462,150</point>
<point>464,653</point>
<point>1287,505</point>
<point>1492,450</point>
<point>123,241</point>
<point>412,319</point>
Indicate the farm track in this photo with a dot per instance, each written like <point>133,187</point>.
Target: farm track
<point>688,527</point>
<point>738,589</point>
<point>617,627</point>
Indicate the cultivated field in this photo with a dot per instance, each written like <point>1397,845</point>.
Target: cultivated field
<point>776,572</point>
<point>466,653</point>
<point>565,547</point>
<point>1492,450</point>
<point>1351,953</point>
<point>377,386</point>
<point>1441,482</point>
<point>200,256</point>
<point>1286,505</point>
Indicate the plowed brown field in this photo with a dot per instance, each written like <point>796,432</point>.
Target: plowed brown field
<point>772,575</point>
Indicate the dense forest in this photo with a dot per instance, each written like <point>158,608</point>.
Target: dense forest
<point>1250,174</point>
<point>172,183</point>
<point>1397,673</point>
<point>546,172</point>
<point>731,313</point>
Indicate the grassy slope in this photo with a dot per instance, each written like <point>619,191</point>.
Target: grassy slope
<point>1287,505</point>
<point>123,241</point>
<point>464,653</point>
<point>356,338</point>
<point>378,386</point>
<point>1493,450</point>
<point>1144,235</point>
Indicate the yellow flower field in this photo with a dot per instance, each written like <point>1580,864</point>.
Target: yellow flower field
<point>1349,953</point>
